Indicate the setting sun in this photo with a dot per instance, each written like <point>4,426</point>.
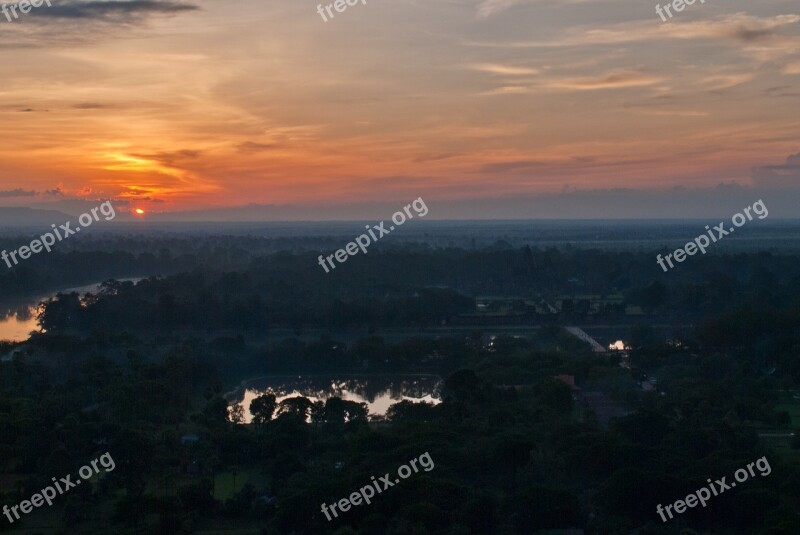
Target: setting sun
<point>139,211</point>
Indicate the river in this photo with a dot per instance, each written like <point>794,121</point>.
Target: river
<point>18,319</point>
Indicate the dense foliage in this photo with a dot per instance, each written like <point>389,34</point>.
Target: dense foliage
<point>516,449</point>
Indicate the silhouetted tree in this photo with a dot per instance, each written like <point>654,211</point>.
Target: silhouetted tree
<point>262,408</point>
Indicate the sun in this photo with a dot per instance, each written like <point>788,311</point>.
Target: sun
<point>139,211</point>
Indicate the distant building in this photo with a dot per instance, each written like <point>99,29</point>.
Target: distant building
<point>619,345</point>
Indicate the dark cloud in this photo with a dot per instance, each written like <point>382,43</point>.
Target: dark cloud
<point>114,11</point>
<point>88,106</point>
<point>777,89</point>
<point>18,192</point>
<point>781,91</point>
<point>505,167</point>
<point>56,192</point>
<point>170,158</point>
<point>149,199</point>
<point>749,35</point>
<point>435,157</point>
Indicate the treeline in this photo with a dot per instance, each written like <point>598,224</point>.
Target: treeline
<point>419,287</point>
<point>46,272</point>
<point>510,457</point>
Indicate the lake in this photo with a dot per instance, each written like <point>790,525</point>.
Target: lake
<point>379,392</point>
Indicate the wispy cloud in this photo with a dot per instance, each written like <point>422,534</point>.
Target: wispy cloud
<point>170,158</point>
<point>201,102</point>
<point>487,8</point>
<point>612,80</point>
<point>508,70</point>
<point>739,27</point>
<point>250,147</point>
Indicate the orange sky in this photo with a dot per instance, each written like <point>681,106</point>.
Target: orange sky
<point>183,105</point>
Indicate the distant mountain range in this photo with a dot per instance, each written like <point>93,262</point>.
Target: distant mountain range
<point>31,217</point>
<point>711,204</point>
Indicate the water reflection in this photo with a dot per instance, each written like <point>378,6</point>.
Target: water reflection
<point>379,392</point>
<point>18,318</point>
<point>17,321</point>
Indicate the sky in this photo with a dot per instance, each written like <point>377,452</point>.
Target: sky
<point>488,108</point>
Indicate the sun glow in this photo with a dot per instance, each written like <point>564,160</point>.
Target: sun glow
<point>139,211</point>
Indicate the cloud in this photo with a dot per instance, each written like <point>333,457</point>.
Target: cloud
<point>781,91</point>
<point>138,198</point>
<point>18,192</point>
<point>435,157</point>
<point>781,176</point>
<point>170,158</point>
<point>487,8</point>
<point>740,27</point>
<point>252,147</point>
<point>509,90</point>
<point>504,69</point>
<point>135,193</point>
<point>88,106</point>
<point>73,23</point>
<point>114,11</point>
<point>506,167</point>
<point>608,81</point>
<point>716,82</point>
